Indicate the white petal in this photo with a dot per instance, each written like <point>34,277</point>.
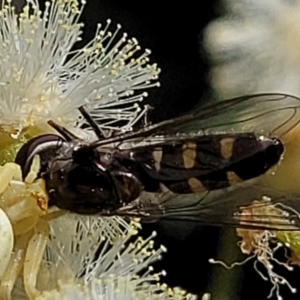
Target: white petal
<point>6,241</point>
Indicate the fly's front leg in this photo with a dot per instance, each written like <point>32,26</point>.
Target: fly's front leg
<point>147,121</point>
<point>33,258</point>
<point>14,266</point>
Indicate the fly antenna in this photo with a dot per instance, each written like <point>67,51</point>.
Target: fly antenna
<point>91,122</point>
<point>68,135</point>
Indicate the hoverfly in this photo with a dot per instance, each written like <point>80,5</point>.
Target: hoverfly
<point>144,172</point>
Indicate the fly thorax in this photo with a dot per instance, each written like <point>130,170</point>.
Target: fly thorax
<point>84,155</point>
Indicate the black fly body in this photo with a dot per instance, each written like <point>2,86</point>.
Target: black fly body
<point>159,170</point>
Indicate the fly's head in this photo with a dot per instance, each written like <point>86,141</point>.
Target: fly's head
<point>46,146</point>
<point>255,157</point>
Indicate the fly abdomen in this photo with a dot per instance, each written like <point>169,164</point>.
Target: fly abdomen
<point>187,167</point>
<point>255,157</point>
<point>210,162</point>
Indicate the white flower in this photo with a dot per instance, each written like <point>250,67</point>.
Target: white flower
<point>43,78</point>
<point>255,47</point>
<point>91,258</point>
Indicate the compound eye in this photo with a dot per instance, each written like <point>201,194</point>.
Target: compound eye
<point>38,145</point>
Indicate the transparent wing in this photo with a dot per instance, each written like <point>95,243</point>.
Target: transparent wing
<point>243,206</point>
<point>268,114</point>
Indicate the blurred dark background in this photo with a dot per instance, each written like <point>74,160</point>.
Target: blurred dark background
<point>173,33</point>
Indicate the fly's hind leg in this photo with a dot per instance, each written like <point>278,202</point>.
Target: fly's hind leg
<point>167,204</point>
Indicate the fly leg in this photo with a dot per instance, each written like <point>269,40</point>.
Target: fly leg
<point>167,204</point>
<point>146,120</point>
<point>96,128</point>
<point>147,206</point>
<point>143,122</point>
<point>68,135</point>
